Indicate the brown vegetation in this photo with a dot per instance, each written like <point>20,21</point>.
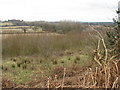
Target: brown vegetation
<point>101,70</point>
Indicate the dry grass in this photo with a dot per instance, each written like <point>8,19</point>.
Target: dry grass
<point>45,44</point>
<point>100,77</point>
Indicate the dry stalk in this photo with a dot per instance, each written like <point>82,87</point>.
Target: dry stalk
<point>115,82</point>
<point>78,81</point>
<point>116,66</point>
<point>56,81</point>
<point>105,70</point>
<point>98,46</point>
<point>106,51</point>
<point>97,56</point>
<point>96,72</point>
<point>111,58</point>
<point>62,84</point>
<point>84,78</point>
<point>88,78</point>
<point>55,78</point>
<point>92,76</point>
<point>98,50</point>
<point>104,45</point>
<point>108,81</point>
<point>58,86</point>
<point>97,61</point>
<point>48,83</point>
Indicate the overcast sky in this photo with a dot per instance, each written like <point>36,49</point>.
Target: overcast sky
<point>56,10</point>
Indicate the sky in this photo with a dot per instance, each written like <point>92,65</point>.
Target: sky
<point>57,10</point>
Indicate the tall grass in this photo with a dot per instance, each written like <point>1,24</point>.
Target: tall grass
<point>46,44</point>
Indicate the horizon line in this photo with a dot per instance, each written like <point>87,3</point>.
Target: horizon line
<point>54,20</point>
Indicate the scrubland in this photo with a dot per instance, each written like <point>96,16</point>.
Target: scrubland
<point>75,59</point>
